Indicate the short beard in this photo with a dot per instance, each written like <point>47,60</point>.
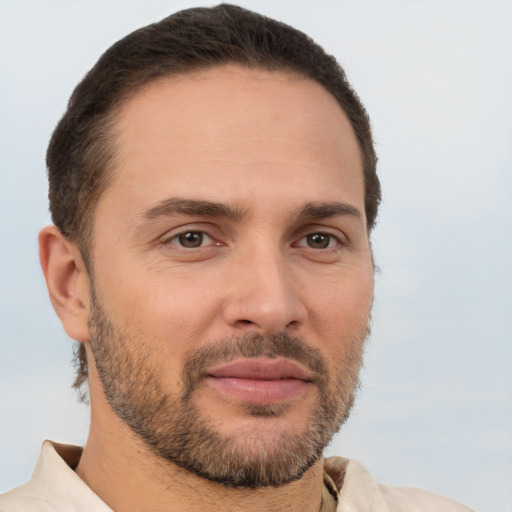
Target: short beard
<point>176,431</point>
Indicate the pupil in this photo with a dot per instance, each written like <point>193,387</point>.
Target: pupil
<point>318,241</point>
<point>191,239</point>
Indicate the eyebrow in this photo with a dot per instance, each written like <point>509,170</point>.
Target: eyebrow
<point>330,209</point>
<point>203,208</point>
<point>174,206</point>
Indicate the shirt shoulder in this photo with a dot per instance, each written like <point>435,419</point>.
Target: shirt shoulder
<point>54,486</point>
<point>360,492</point>
<point>21,499</point>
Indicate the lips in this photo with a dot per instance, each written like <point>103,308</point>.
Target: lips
<point>260,380</point>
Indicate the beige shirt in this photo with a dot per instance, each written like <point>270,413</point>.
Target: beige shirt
<point>348,487</point>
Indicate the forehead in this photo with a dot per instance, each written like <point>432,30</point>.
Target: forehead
<point>230,129</point>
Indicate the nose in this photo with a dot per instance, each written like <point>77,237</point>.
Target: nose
<point>263,296</point>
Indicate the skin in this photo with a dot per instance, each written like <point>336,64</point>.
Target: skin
<point>265,144</point>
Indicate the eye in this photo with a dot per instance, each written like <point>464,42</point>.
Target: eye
<point>191,239</point>
<point>319,241</point>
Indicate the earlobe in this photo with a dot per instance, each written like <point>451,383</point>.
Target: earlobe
<point>67,280</point>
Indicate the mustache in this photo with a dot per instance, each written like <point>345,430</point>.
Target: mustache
<point>251,346</point>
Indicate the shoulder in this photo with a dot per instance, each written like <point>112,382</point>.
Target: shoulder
<point>52,472</point>
<point>23,499</point>
<point>360,492</point>
<point>54,485</point>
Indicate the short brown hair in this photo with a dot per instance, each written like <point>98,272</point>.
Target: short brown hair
<point>81,153</point>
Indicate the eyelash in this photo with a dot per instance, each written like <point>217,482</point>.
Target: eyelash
<point>330,239</point>
<point>177,237</point>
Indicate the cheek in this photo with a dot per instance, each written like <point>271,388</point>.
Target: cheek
<point>158,295</point>
<point>341,315</point>
<point>164,317</point>
<point>186,301</point>
<point>345,301</point>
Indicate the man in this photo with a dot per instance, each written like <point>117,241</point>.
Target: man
<point>213,187</point>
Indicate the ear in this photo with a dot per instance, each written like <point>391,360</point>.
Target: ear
<point>67,280</point>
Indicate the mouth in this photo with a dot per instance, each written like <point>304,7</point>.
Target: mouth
<point>260,380</point>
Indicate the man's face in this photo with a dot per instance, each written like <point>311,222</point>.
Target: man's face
<point>232,273</point>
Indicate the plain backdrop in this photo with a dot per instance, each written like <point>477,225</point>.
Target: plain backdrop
<point>435,409</point>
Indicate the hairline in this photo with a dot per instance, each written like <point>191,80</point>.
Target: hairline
<point>108,139</point>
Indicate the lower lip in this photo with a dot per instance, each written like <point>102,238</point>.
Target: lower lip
<point>259,391</point>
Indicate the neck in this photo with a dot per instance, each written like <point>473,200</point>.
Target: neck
<point>128,476</point>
